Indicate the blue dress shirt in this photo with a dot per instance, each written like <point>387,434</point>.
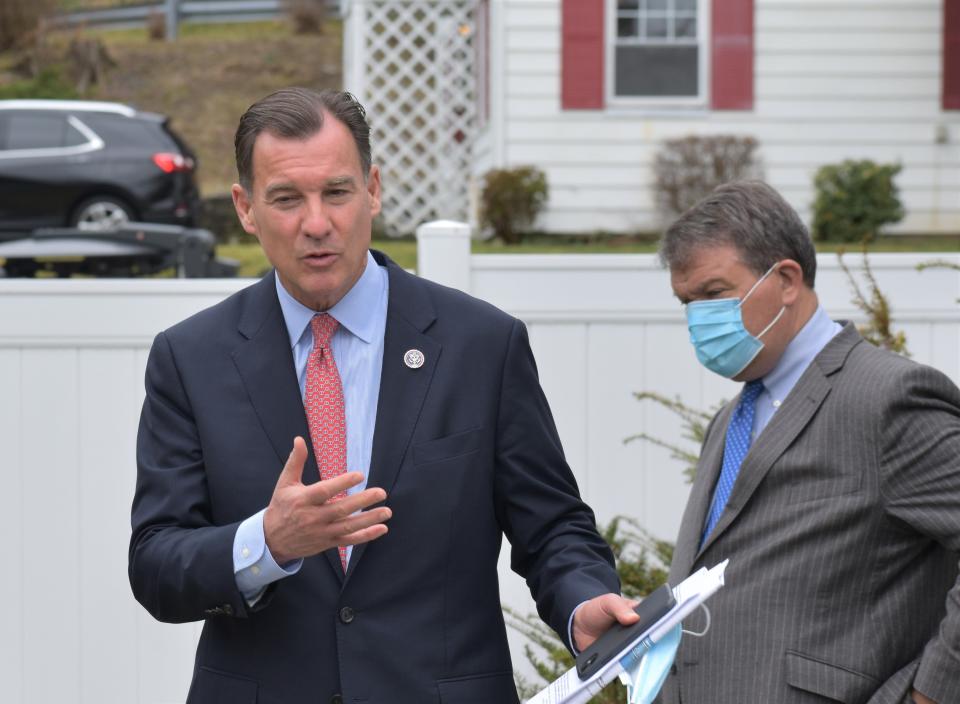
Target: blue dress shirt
<point>358,352</point>
<point>797,356</point>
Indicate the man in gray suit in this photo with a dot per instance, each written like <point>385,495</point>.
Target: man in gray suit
<point>832,482</point>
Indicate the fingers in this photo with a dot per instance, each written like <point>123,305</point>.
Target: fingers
<point>321,492</point>
<point>623,611</point>
<point>364,527</point>
<point>292,472</point>
<point>594,617</point>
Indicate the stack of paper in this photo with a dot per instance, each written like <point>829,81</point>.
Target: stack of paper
<point>689,594</point>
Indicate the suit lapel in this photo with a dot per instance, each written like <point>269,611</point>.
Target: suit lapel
<point>787,423</point>
<point>265,363</point>
<point>403,389</point>
<point>694,516</point>
<point>798,409</point>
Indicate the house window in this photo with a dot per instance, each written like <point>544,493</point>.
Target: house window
<point>657,53</point>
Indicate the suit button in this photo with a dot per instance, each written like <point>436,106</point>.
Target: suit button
<point>336,699</point>
<point>346,616</point>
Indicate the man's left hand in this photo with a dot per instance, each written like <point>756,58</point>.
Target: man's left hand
<point>595,617</point>
<point>921,699</point>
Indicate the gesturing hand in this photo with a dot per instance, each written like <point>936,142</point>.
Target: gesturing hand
<point>301,520</point>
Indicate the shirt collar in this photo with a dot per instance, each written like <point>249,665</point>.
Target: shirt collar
<point>799,353</point>
<point>352,311</point>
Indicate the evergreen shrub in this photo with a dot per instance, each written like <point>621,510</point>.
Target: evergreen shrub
<point>511,201</point>
<point>854,199</point>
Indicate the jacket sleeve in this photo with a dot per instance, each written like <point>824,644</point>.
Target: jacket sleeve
<point>180,564</point>
<point>554,540</point>
<point>920,486</point>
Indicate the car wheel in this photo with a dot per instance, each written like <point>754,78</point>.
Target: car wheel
<point>101,213</point>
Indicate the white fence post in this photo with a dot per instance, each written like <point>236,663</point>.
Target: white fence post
<point>172,19</point>
<point>443,253</point>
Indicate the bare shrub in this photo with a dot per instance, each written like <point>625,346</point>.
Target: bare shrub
<point>89,61</point>
<point>157,25</point>
<point>20,21</point>
<point>689,168</point>
<point>307,16</point>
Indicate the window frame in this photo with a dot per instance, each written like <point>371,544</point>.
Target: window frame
<point>611,42</point>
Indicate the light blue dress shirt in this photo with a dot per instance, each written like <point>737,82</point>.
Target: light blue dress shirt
<point>358,352</point>
<point>797,356</point>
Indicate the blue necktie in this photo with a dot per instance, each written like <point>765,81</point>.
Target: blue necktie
<point>734,450</point>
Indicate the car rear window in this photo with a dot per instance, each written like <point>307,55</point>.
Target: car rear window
<point>39,131</point>
<point>120,131</point>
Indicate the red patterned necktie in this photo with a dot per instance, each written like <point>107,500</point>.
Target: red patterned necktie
<point>323,402</point>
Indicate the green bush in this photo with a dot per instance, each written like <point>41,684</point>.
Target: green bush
<point>854,200</point>
<point>49,84</point>
<point>219,217</point>
<point>511,201</point>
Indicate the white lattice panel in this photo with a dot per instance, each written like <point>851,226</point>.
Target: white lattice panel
<point>420,91</point>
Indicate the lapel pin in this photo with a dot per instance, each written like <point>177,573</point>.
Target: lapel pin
<point>413,359</point>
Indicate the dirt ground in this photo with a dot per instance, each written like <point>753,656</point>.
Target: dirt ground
<point>209,76</point>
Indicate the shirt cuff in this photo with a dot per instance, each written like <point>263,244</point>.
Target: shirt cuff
<point>573,646</point>
<point>253,566</point>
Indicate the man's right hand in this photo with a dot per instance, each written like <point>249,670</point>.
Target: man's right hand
<point>302,521</point>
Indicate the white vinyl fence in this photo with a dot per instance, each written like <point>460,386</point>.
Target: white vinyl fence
<point>72,355</point>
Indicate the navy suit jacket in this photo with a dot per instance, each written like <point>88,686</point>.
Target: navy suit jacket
<point>467,452</point>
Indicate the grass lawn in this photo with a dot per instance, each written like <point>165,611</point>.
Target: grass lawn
<point>404,251</point>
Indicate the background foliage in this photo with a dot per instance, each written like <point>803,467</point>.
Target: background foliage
<point>854,199</point>
<point>642,564</point>
<point>687,169</point>
<point>511,201</point>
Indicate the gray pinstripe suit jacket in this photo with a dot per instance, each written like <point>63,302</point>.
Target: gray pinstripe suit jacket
<point>843,533</point>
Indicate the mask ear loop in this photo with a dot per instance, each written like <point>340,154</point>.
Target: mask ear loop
<point>759,281</point>
<point>706,628</point>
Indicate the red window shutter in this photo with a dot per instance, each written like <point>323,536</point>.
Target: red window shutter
<point>951,54</point>
<point>731,51</point>
<point>582,54</point>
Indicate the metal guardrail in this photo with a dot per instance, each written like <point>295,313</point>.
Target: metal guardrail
<point>177,11</point>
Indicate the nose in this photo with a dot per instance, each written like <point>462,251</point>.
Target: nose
<point>316,222</point>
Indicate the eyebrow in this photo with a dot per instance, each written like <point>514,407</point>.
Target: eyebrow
<point>703,287</point>
<point>339,181</point>
<point>276,188</point>
<point>335,182</point>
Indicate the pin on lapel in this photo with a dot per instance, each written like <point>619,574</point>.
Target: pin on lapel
<point>413,359</point>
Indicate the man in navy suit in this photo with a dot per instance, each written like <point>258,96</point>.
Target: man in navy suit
<point>378,584</point>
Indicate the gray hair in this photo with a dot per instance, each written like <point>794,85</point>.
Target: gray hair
<point>298,113</point>
<point>751,216</point>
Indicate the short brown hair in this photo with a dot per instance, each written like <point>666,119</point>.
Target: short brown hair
<point>751,216</point>
<point>297,113</point>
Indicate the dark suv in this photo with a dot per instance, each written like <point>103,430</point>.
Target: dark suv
<point>91,165</point>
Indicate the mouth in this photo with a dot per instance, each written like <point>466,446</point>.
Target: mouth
<point>319,259</point>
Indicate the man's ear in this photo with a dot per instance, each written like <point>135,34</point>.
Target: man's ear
<point>790,276</point>
<point>373,190</point>
<point>242,204</point>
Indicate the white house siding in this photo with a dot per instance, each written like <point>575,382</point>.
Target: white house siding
<point>834,80</point>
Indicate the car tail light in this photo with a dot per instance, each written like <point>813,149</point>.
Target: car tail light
<point>169,162</point>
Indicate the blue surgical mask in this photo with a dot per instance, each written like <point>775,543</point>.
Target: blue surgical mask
<point>723,345</point>
<point>645,680</point>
